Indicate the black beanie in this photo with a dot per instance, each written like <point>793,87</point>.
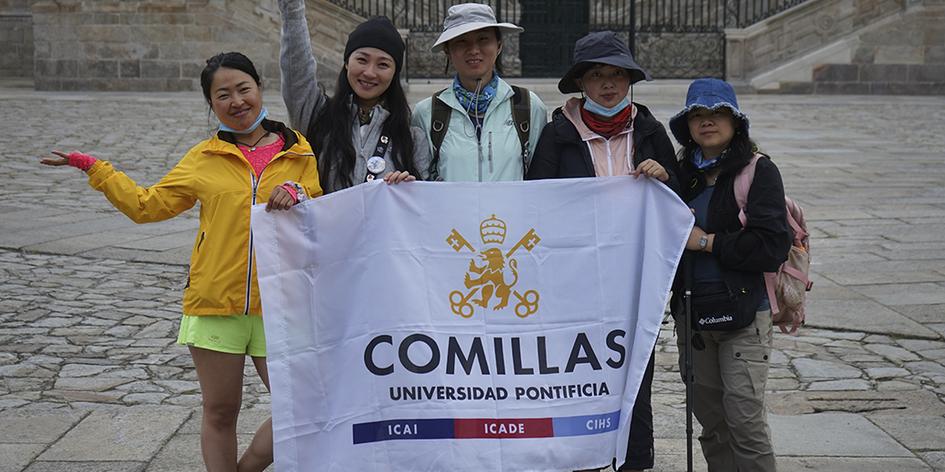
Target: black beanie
<point>378,32</point>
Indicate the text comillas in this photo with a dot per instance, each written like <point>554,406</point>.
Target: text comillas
<point>484,356</point>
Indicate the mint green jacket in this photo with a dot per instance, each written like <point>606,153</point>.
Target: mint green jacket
<point>497,155</point>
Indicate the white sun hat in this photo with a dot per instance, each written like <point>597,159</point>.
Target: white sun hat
<point>465,17</point>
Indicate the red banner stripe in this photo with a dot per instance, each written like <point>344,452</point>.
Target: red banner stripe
<point>487,428</point>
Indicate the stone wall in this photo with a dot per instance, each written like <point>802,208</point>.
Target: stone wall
<point>162,45</point>
<point>154,45</point>
<point>16,39</point>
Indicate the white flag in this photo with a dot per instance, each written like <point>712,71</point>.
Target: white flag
<point>464,326</point>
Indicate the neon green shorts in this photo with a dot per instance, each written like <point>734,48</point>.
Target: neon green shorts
<point>234,334</point>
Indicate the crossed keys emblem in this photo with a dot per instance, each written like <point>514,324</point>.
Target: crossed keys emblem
<point>492,274</point>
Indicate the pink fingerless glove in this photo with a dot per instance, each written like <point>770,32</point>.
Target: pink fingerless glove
<point>296,190</point>
<point>81,161</point>
<point>292,191</point>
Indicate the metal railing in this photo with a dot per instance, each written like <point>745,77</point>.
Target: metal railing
<point>675,16</point>
<point>749,12</point>
<point>417,15</point>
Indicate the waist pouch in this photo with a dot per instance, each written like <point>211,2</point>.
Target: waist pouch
<point>716,308</point>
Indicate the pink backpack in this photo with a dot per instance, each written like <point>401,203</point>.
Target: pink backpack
<point>787,288</point>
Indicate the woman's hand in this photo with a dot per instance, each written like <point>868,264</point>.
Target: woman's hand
<point>281,199</point>
<point>652,169</point>
<point>397,177</point>
<point>62,161</point>
<point>74,159</point>
<point>695,235</point>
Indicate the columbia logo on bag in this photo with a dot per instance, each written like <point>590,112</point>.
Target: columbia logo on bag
<point>712,319</point>
<point>787,288</point>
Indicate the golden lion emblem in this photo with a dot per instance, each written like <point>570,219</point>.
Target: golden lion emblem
<point>492,274</point>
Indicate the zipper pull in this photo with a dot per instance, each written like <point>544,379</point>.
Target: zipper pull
<point>490,153</point>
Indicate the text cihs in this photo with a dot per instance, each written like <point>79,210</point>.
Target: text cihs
<point>475,356</point>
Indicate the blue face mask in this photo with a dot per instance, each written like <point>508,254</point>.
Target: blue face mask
<point>262,115</point>
<point>601,110</point>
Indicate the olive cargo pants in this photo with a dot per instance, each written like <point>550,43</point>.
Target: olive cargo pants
<point>728,396</point>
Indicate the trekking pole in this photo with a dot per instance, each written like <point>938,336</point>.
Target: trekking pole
<point>687,353</point>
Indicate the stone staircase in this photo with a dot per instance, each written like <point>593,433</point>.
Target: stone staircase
<point>842,47</point>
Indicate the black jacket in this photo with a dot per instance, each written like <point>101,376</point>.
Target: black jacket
<point>561,153</point>
<point>743,253</point>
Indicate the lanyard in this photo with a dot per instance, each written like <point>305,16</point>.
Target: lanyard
<point>376,163</point>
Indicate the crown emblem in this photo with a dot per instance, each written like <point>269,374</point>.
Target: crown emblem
<point>492,274</point>
<point>492,230</point>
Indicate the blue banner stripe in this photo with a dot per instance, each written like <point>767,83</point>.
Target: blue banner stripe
<point>588,424</point>
<point>440,428</point>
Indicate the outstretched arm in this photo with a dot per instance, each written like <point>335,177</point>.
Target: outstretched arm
<point>165,199</point>
<point>300,91</point>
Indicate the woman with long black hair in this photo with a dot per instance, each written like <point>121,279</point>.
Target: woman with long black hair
<point>363,131</point>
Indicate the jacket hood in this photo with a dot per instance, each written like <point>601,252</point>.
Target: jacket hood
<point>644,124</point>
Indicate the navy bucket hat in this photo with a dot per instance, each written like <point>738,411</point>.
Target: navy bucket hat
<point>600,47</point>
<point>711,94</point>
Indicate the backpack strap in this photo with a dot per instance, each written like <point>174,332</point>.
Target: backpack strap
<point>522,115</point>
<point>742,185</point>
<point>439,125</point>
<point>795,218</point>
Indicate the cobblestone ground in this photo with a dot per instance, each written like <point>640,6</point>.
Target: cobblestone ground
<point>80,332</point>
<point>89,303</point>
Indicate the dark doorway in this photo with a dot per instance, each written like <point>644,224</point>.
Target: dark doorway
<point>551,28</point>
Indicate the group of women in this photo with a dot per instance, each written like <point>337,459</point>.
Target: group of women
<point>479,128</point>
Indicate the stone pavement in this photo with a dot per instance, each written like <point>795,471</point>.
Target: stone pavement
<point>91,379</point>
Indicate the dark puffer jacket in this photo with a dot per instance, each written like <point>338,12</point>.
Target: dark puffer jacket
<point>561,153</point>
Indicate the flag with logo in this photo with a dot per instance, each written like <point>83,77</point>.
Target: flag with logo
<point>464,326</point>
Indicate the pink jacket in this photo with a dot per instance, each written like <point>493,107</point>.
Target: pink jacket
<point>612,156</point>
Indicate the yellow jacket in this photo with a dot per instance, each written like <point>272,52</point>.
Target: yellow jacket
<point>222,277</point>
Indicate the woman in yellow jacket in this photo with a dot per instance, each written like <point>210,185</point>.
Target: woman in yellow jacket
<point>250,160</point>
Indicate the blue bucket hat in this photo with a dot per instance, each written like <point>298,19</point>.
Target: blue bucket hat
<point>711,94</point>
